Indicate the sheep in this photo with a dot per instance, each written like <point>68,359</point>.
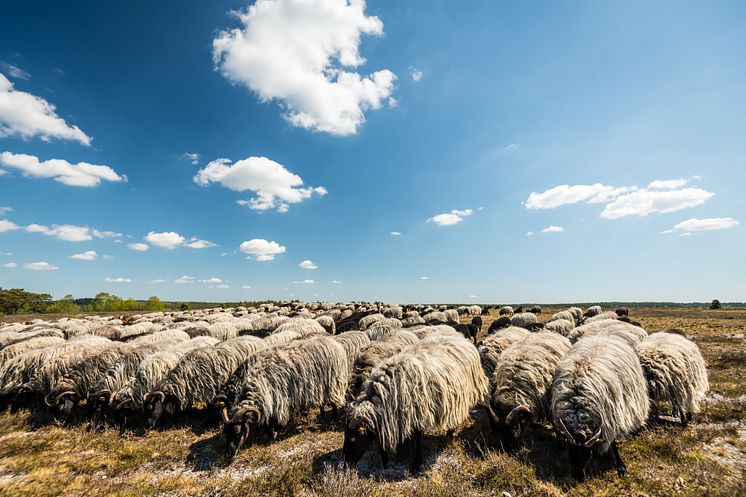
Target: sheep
<point>493,345</point>
<point>432,385</point>
<point>593,311</point>
<point>535,309</point>
<point>281,337</point>
<point>561,326</point>
<point>522,380</point>
<point>38,342</point>
<point>427,331</point>
<point>13,338</point>
<point>601,316</point>
<point>301,326</point>
<point>477,321</point>
<point>498,324</point>
<point>379,331</point>
<point>675,372</point>
<point>197,376</point>
<point>412,321</point>
<point>506,310</point>
<point>621,311</point>
<point>599,395</point>
<point>469,331</point>
<point>368,320</point>
<point>567,315</point>
<point>393,312</point>
<point>374,353</point>
<point>523,320</point>
<point>436,317</point>
<point>451,316</point>
<point>285,380</point>
<point>353,342</point>
<point>328,323</point>
<point>577,313</point>
<point>609,327</point>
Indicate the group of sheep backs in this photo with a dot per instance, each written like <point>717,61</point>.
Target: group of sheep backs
<point>400,372</point>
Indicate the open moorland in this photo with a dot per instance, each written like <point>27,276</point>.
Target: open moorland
<point>41,456</point>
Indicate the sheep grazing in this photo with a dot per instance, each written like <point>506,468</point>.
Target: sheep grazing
<point>601,316</point>
<point>561,326</point>
<point>393,312</point>
<point>302,326</point>
<point>535,310</point>
<point>286,380</point>
<point>505,310</point>
<point>353,342</point>
<point>577,313</point>
<point>477,321</point>
<point>593,311</point>
<point>366,321</point>
<point>452,316</point>
<point>469,331</point>
<point>197,376</point>
<point>609,327</point>
<point>16,348</point>
<point>436,317</point>
<point>499,324</point>
<point>567,315</point>
<point>521,383</point>
<point>675,371</point>
<point>412,321</point>
<point>491,347</point>
<point>328,323</point>
<point>621,311</point>
<point>373,354</point>
<point>432,385</point>
<point>523,320</point>
<point>599,394</point>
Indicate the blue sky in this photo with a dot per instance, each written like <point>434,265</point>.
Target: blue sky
<point>617,128</point>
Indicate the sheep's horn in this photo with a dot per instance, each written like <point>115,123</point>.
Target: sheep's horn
<point>566,431</point>
<point>596,435</point>
<point>244,411</point>
<point>68,393</point>
<point>518,411</point>
<point>224,415</point>
<point>157,393</point>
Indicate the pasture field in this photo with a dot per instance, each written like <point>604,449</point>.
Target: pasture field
<point>43,458</point>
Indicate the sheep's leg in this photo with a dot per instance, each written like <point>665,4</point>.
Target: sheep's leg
<point>621,468</point>
<point>417,461</point>
<point>685,417</point>
<point>578,459</point>
<point>384,457</point>
<point>334,411</point>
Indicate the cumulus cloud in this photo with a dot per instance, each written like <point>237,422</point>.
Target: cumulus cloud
<point>6,225</point>
<point>416,74</point>
<point>167,239</point>
<point>158,280</point>
<point>10,265</point>
<point>298,52</point>
<point>395,233</point>
<point>553,229</point>
<point>275,186</point>
<point>117,280</point>
<point>214,279</point>
<point>262,250</point>
<point>660,196</point>
<point>40,266</point>
<point>140,247</point>
<point>196,243</point>
<point>529,233</point>
<point>307,265</point>
<point>708,224</point>
<point>184,279</point>
<point>191,157</point>
<point>424,278</point>
<point>88,255</point>
<point>304,282</point>
<point>26,115</point>
<point>80,174</point>
<point>450,218</point>
<point>66,232</point>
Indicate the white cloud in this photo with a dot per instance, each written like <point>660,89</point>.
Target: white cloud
<point>167,239</point>
<point>9,254</point>
<point>336,282</point>
<point>191,157</point>
<point>26,115</point>
<point>262,250</point>
<point>158,280</point>
<point>708,224</point>
<point>211,280</point>
<point>307,265</point>
<point>184,279</point>
<point>416,74</point>
<point>424,278</point>
<point>296,52</point>
<point>530,233</point>
<point>553,229</point>
<point>80,174</point>
<point>472,296</point>
<point>89,255</point>
<point>395,233</point>
<point>246,287</point>
<point>450,218</point>
<point>644,202</point>
<point>219,286</point>
<point>6,225</point>
<point>40,266</point>
<point>66,232</point>
<point>510,147</point>
<point>671,184</point>
<point>275,186</point>
<point>117,280</point>
<point>105,234</point>
<point>196,243</point>
<point>108,257</point>
<point>140,247</point>
<point>14,71</point>
<point>567,194</point>
<point>10,265</point>
<point>5,210</point>
<point>305,282</point>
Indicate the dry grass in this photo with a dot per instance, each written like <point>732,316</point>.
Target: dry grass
<point>707,458</point>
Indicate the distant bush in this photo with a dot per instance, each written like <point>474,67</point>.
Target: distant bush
<point>715,305</point>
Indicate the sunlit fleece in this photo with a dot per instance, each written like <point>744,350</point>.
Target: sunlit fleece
<point>299,52</point>
<point>80,174</point>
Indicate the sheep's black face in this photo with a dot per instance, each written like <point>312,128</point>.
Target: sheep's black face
<point>236,432</point>
<point>358,439</point>
<point>153,411</point>
<point>65,406</point>
<point>578,459</point>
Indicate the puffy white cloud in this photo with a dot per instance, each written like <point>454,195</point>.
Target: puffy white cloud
<point>529,233</point>
<point>117,280</point>
<point>6,225</point>
<point>191,157</point>
<point>80,174</point>
<point>196,243</point>
<point>214,279</point>
<point>304,282</point>
<point>297,52</point>
<point>105,234</point>
<point>26,115</point>
<point>40,266</point>
<point>670,184</point>
<point>307,265</point>
<point>708,224</point>
<point>140,247</point>
<point>66,232</point>
<point>88,255</point>
<point>472,296</point>
<point>567,194</point>
<point>553,229</point>
<point>14,71</point>
<point>416,74</point>
<point>10,265</point>
<point>167,239</point>
<point>184,279</point>
<point>262,250</point>
<point>395,233</point>
<point>450,218</point>
<point>644,202</point>
<point>424,278</point>
<point>275,186</point>
<point>158,280</point>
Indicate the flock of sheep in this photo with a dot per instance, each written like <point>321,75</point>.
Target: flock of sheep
<point>399,371</point>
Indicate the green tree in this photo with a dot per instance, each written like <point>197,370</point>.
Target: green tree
<point>184,306</point>
<point>716,305</point>
<point>18,300</point>
<point>64,305</point>
<point>154,304</point>
<point>106,302</point>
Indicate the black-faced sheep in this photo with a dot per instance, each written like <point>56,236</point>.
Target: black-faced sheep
<point>498,324</point>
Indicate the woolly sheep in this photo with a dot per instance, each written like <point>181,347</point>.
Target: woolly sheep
<point>506,310</point>
<point>374,353</point>
<point>609,327</point>
<point>451,316</point>
<point>675,371</point>
<point>593,311</point>
<point>498,324</point>
<point>353,342</point>
<point>567,315</point>
<point>301,326</point>
<point>601,316</point>
<point>428,331</point>
<point>561,326</point>
<point>412,321</point>
<point>521,383</point>
<point>366,321</point>
<point>599,395</point>
<point>436,316</point>
<point>39,342</point>
<point>286,380</point>
<point>523,320</point>
<point>328,323</point>
<point>493,345</point>
<point>433,385</point>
